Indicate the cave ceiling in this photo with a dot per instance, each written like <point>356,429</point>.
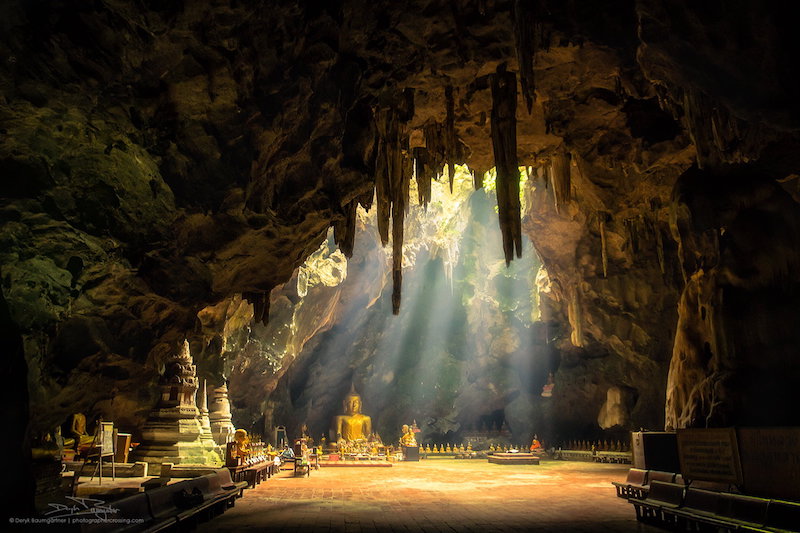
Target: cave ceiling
<point>164,159</point>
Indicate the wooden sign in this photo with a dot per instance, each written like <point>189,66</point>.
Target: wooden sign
<point>107,438</point>
<point>771,461</point>
<point>709,454</point>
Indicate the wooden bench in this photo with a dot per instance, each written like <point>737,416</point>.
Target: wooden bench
<point>181,505</point>
<point>783,516</point>
<point>662,498</point>
<point>633,485</point>
<point>703,509</point>
<point>135,509</point>
<point>748,513</point>
<point>192,501</point>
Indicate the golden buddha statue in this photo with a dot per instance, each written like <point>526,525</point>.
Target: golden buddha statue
<point>241,447</point>
<point>428,448</point>
<point>353,425</point>
<point>408,439</point>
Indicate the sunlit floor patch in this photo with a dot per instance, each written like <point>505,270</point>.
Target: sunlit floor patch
<point>440,495</point>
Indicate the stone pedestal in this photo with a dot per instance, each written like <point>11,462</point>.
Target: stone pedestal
<point>219,414</point>
<point>172,433</point>
<point>514,459</point>
<point>410,453</point>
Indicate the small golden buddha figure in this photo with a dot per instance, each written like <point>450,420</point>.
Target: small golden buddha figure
<point>449,449</point>
<point>241,448</point>
<point>491,447</point>
<point>353,425</point>
<point>408,439</point>
<point>428,448</point>
<point>77,431</point>
<point>469,446</point>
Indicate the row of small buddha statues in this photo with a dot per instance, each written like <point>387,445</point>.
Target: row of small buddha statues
<point>599,446</point>
<point>371,447</point>
<point>446,448</point>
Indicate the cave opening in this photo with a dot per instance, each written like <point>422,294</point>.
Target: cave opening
<point>465,359</point>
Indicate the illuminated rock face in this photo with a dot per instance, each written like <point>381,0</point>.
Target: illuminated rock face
<point>164,177</point>
<point>732,361</point>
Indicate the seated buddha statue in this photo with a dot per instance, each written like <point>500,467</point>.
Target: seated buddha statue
<point>353,425</point>
<point>241,448</point>
<point>408,438</point>
<point>77,430</point>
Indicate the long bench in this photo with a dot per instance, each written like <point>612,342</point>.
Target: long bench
<point>662,497</point>
<point>689,508</point>
<point>638,481</point>
<point>180,505</point>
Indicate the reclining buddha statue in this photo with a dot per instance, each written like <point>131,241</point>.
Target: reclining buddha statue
<point>353,425</point>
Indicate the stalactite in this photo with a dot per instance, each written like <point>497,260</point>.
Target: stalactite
<point>525,43</point>
<point>399,178</point>
<point>260,303</point>
<point>344,230</point>
<point>394,168</point>
<point>504,143</point>
<point>719,136</point>
<point>603,252</point>
<point>660,248</point>
<point>655,205</point>
<point>575,316</point>
<point>435,148</point>
<point>477,178</point>
<point>422,176</point>
<point>632,225</point>
<point>365,200</point>
<point>383,192</point>
<point>560,177</point>
<point>450,134</point>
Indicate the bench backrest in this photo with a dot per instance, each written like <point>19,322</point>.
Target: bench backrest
<point>201,483</point>
<point>133,507</point>
<point>214,482</point>
<point>749,509</point>
<point>658,475</point>
<point>224,476</point>
<point>701,500</point>
<point>162,500</point>
<point>783,515</point>
<point>637,476</point>
<point>664,492</point>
